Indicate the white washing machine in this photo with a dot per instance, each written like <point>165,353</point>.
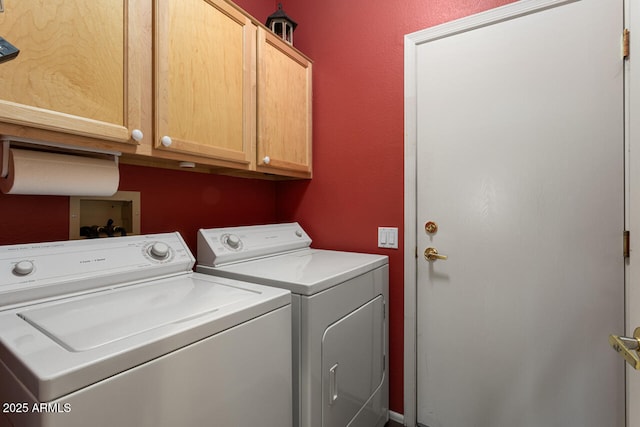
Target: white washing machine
<point>121,332</point>
<point>339,317</point>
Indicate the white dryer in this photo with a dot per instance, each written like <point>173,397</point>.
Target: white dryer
<point>339,317</point>
<point>121,332</point>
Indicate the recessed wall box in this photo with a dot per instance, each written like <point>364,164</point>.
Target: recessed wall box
<point>121,212</point>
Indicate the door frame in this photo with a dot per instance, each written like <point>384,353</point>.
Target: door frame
<point>411,42</point>
<point>632,202</point>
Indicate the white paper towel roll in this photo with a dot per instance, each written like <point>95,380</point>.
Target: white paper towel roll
<point>37,172</point>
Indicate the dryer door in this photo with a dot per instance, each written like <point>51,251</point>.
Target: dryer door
<point>353,363</point>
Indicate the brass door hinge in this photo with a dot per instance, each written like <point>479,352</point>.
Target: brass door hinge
<point>625,243</point>
<point>625,44</point>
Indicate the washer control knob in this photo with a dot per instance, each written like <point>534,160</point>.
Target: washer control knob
<point>298,233</point>
<point>159,250</point>
<point>233,241</point>
<point>23,268</point>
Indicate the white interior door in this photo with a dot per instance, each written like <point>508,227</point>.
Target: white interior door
<point>520,163</point>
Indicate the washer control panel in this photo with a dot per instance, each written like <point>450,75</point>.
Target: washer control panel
<point>217,246</point>
<point>39,270</point>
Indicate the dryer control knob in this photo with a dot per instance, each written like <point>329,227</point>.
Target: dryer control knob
<point>159,250</point>
<point>23,268</point>
<point>233,241</point>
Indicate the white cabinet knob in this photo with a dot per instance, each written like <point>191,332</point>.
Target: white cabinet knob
<point>137,135</point>
<point>166,141</point>
<point>266,160</point>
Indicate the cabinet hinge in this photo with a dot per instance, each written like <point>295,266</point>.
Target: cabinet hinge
<point>625,43</point>
<point>625,243</point>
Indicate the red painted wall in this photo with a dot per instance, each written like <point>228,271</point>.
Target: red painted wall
<point>357,48</point>
<point>186,201</point>
<point>358,137</point>
<point>170,200</point>
<point>259,9</point>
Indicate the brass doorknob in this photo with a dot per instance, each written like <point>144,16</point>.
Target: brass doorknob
<point>628,347</point>
<point>431,254</point>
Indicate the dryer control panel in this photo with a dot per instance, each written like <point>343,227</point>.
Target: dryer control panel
<point>218,246</point>
<point>42,270</point>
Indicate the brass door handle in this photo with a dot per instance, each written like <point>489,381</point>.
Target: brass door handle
<point>431,254</point>
<point>628,347</point>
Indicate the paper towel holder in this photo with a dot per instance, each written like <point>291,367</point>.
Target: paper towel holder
<point>7,140</point>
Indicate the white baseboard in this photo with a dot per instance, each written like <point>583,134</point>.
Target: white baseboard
<point>394,416</point>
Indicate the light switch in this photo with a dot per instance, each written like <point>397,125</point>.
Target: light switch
<point>382,236</point>
<point>388,237</point>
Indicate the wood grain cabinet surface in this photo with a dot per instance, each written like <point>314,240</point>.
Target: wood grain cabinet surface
<point>78,72</point>
<point>284,108</point>
<point>202,80</point>
<point>205,87</point>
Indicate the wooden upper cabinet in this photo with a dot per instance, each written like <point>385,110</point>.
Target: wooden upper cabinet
<point>284,108</point>
<point>205,81</point>
<point>78,70</point>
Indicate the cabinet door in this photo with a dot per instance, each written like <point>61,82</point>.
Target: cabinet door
<point>205,57</point>
<point>78,70</point>
<point>284,108</point>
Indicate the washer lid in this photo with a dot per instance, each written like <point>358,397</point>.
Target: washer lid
<point>57,347</point>
<point>103,318</point>
<point>305,272</point>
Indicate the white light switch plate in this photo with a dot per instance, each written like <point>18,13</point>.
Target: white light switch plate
<point>388,237</point>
